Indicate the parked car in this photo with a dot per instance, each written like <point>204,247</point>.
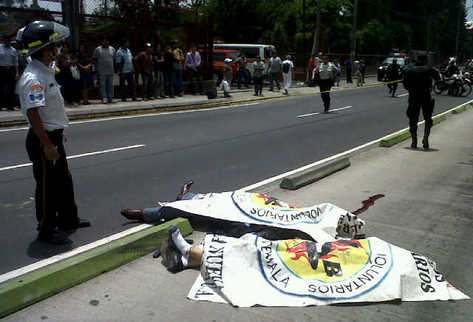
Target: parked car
<point>401,61</point>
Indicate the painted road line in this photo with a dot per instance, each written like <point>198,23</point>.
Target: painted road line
<point>79,156</point>
<point>402,95</point>
<point>82,249</point>
<point>310,114</point>
<point>341,108</point>
<point>141,115</point>
<point>317,113</point>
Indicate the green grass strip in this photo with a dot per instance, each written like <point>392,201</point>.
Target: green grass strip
<point>35,286</point>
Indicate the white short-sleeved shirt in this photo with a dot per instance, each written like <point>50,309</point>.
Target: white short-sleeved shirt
<point>8,56</point>
<point>37,88</point>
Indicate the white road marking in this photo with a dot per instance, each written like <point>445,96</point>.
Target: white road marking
<point>49,261</point>
<point>78,156</point>
<point>317,113</point>
<point>310,114</point>
<point>402,95</point>
<point>341,108</point>
<point>112,118</point>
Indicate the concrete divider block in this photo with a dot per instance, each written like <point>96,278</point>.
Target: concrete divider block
<point>303,178</point>
<point>32,287</point>
<point>395,139</point>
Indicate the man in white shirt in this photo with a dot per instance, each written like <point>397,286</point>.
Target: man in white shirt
<point>104,56</point>
<point>43,107</point>
<point>326,72</point>
<point>8,74</point>
<point>287,67</point>
<point>274,69</point>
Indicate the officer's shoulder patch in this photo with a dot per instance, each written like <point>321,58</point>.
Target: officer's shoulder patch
<point>36,94</point>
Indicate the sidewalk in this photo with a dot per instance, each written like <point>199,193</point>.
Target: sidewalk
<point>427,208</point>
<point>97,109</point>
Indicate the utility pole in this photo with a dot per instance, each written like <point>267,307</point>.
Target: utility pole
<point>354,30</point>
<point>315,46</point>
<point>429,41</point>
<point>303,35</point>
<point>457,42</point>
<point>70,16</point>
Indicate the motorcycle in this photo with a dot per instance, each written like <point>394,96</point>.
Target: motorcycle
<point>457,85</point>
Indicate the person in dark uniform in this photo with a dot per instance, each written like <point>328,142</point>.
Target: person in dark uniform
<point>43,107</point>
<point>418,81</point>
<point>394,74</point>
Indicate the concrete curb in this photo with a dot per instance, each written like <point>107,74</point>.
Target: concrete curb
<point>395,139</point>
<point>32,287</point>
<point>311,175</point>
<point>405,134</point>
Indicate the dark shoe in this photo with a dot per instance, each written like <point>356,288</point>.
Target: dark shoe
<point>425,144</point>
<point>172,96</point>
<point>171,258</point>
<point>255,94</point>
<point>132,214</point>
<point>54,238</point>
<point>123,99</point>
<point>81,223</point>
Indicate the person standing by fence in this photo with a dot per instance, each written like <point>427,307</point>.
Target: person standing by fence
<point>104,57</point>
<point>158,61</point>
<point>144,63</point>
<point>8,74</point>
<point>258,76</point>
<point>193,64</point>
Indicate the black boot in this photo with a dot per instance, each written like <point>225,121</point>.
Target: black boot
<point>414,139</point>
<point>425,140</point>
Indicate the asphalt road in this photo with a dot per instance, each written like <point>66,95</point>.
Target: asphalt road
<point>220,149</point>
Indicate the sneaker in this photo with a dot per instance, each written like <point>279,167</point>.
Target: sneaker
<point>104,101</point>
<point>171,257</point>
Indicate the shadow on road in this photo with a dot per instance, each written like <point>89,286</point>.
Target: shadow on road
<point>41,250</point>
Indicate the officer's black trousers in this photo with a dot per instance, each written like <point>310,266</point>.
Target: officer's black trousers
<point>54,195</point>
<point>416,103</point>
<point>325,86</point>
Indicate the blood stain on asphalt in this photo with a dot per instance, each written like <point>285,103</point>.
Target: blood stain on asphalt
<point>367,203</point>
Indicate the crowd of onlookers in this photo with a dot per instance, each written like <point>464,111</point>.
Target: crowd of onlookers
<point>160,69</point>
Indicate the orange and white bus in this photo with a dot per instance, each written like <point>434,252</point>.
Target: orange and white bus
<point>251,51</point>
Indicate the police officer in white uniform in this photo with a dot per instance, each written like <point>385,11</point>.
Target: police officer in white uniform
<point>326,72</point>
<point>43,106</point>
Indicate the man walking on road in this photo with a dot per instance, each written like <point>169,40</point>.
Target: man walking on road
<point>418,81</point>
<point>326,73</point>
<point>394,74</point>
<point>43,106</point>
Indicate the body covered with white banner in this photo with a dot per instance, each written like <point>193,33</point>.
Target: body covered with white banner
<point>334,267</point>
<point>322,221</point>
